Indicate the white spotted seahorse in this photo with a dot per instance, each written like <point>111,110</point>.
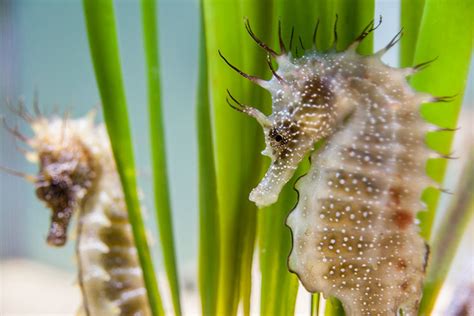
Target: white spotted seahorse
<point>77,174</point>
<point>354,231</point>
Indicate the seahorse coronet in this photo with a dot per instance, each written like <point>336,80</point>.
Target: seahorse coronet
<point>353,228</point>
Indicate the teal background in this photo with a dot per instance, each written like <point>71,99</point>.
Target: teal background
<point>44,47</point>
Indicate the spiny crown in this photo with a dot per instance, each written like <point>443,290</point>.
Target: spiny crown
<point>307,106</point>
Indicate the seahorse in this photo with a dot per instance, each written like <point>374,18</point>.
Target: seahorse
<point>353,228</point>
<point>77,174</point>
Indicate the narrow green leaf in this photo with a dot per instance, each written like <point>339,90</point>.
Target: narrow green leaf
<point>410,18</point>
<point>302,16</point>
<point>446,32</point>
<point>289,288</point>
<point>260,17</point>
<point>326,11</point>
<point>237,161</point>
<point>448,236</point>
<point>314,305</point>
<point>333,307</point>
<point>227,128</point>
<point>353,17</point>
<point>278,285</point>
<point>100,22</point>
<point>158,150</point>
<point>208,215</point>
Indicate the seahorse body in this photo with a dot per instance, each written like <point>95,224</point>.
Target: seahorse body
<point>354,235</point>
<point>77,172</point>
<point>353,227</point>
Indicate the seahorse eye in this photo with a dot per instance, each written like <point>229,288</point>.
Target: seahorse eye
<point>278,138</point>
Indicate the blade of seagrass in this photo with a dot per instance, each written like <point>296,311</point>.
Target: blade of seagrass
<point>447,239</point>
<point>315,300</point>
<point>158,150</point>
<point>353,17</point>
<point>410,18</point>
<point>446,32</point>
<point>260,18</point>
<point>326,13</point>
<point>225,32</point>
<point>100,22</point>
<point>208,215</point>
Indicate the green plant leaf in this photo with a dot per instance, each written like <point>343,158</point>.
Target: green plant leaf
<point>315,300</point>
<point>158,150</point>
<point>208,215</point>
<point>333,307</point>
<point>260,17</point>
<point>326,11</point>
<point>100,22</point>
<point>353,17</point>
<point>279,286</point>
<point>448,236</point>
<point>235,137</point>
<point>446,32</point>
<point>219,23</point>
<point>410,18</point>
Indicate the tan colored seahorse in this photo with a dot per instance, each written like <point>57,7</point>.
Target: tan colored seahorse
<point>354,231</point>
<point>77,174</point>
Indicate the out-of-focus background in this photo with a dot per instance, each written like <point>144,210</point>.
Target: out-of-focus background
<point>44,48</point>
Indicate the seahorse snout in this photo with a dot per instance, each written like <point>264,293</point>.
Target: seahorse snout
<point>268,190</point>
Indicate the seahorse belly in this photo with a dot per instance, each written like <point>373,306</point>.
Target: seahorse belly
<point>353,227</point>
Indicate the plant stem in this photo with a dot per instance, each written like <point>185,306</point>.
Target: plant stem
<point>315,305</point>
<point>100,22</point>
<point>448,237</point>
<point>208,215</point>
<point>333,307</point>
<point>446,31</point>
<point>158,149</point>
<point>410,19</point>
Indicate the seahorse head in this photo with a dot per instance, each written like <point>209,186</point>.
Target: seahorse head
<point>65,172</point>
<point>308,104</point>
<point>306,107</point>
